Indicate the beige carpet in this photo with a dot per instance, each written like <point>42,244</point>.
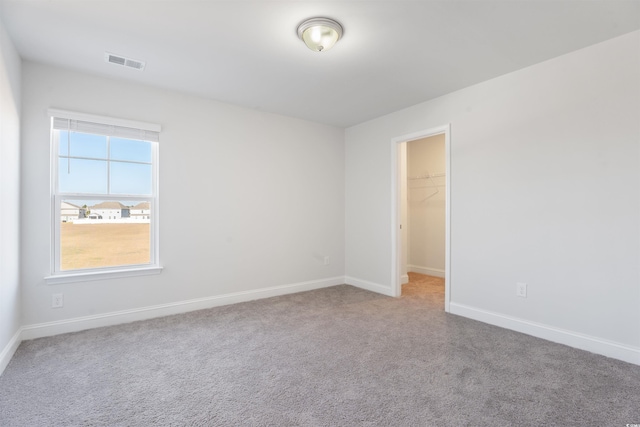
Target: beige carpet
<point>425,287</point>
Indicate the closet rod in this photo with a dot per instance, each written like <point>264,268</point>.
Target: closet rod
<point>432,175</point>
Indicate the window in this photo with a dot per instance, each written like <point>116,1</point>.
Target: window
<point>104,197</point>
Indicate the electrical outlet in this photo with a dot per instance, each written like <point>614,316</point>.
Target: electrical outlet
<point>327,260</point>
<point>521,290</point>
<point>57,300</point>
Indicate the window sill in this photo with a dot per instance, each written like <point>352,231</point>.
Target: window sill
<point>101,275</point>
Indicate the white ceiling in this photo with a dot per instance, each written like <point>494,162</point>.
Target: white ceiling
<point>394,54</point>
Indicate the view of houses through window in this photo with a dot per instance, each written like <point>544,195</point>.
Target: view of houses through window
<point>104,234</point>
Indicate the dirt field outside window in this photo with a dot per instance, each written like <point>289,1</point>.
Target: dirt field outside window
<point>103,245</point>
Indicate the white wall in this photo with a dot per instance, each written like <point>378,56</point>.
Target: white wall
<point>10,305</point>
<point>248,200</point>
<point>545,189</point>
<point>426,210</point>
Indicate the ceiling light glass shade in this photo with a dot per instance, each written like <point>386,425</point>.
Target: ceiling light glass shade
<point>320,34</point>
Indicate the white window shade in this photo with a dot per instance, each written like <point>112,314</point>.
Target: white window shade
<point>107,126</point>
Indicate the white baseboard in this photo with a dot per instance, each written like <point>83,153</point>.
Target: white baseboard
<point>369,286</point>
<point>125,316</point>
<point>572,339</point>
<point>404,279</point>
<point>425,270</point>
<point>9,350</point>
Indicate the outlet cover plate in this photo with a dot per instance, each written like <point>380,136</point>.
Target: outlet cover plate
<point>57,300</point>
<point>521,290</point>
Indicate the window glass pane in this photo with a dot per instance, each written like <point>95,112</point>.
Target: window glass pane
<point>82,176</point>
<point>83,145</point>
<point>130,149</point>
<point>63,145</point>
<point>104,233</point>
<point>130,178</point>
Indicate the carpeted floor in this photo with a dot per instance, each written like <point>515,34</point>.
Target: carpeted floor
<point>338,356</point>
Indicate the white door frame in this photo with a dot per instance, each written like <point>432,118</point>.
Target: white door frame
<point>396,236</point>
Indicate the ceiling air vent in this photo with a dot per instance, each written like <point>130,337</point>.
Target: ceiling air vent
<point>125,62</point>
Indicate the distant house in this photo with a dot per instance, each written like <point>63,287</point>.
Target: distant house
<point>111,210</point>
<point>141,211</point>
<point>71,212</point>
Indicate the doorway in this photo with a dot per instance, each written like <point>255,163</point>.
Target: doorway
<point>421,189</point>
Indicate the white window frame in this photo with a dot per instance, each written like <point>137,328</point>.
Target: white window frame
<point>80,275</point>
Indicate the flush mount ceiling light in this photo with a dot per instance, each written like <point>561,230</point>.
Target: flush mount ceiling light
<point>320,34</point>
